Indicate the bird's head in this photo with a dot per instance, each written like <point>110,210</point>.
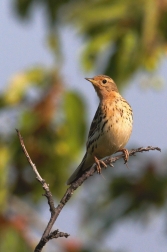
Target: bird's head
<point>103,85</point>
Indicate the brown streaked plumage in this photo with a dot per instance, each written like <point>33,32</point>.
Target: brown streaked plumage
<point>111,127</point>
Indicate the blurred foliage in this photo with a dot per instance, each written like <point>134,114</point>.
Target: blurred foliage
<point>133,195</point>
<point>13,235</point>
<point>119,39</point>
<point>52,121</point>
<point>53,125</point>
<point>4,169</point>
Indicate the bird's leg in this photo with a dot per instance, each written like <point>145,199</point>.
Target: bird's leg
<point>98,162</point>
<point>126,154</point>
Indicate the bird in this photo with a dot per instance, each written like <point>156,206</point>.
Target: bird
<point>110,129</point>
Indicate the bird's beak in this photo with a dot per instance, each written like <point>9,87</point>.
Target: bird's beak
<point>89,79</point>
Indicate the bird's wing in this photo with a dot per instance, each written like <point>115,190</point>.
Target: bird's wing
<point>94,128</point>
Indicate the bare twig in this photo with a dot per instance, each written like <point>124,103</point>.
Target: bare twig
<point>55,211</point>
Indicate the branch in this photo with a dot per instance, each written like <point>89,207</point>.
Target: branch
<point>55,211</point>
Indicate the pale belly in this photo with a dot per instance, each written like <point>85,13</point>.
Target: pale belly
<point>113,140</point>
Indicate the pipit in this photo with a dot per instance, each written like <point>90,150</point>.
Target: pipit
<point>110,129</point>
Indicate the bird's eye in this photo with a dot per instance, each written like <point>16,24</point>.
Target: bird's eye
<point>104,81</point>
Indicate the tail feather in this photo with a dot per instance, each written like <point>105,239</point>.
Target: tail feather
<point>78,172</point>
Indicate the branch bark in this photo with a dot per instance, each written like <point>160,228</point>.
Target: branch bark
<point>55,211</point>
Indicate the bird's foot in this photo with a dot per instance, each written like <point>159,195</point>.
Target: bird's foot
<point>126,154</point>
<point>98,162</point>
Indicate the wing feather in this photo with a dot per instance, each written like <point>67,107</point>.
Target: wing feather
<point>95,127</point>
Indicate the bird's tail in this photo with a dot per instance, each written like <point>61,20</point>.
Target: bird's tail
<point>78,172</point>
